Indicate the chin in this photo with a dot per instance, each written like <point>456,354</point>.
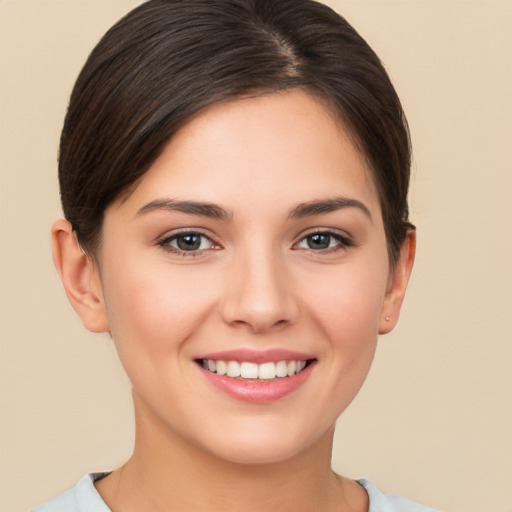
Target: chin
<point>260,446</point>
<point>256,455</point>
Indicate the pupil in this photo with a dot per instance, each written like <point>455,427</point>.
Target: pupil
<point>189,242</point>
<point>319,241</point>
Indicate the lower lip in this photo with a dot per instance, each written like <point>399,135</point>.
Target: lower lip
<point>257,390</point>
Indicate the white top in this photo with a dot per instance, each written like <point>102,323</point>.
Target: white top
<point>84,497</point>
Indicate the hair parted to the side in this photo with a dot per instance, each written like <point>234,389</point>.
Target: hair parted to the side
<point>167,60</point>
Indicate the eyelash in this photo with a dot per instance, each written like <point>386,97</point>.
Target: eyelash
<point>165,243</point>
<point>343,242</point>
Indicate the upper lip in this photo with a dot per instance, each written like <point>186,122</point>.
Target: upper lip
<point>257,356</point>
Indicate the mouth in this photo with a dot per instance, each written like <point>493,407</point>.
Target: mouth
<point>257,376</point>
<point>251,371</point>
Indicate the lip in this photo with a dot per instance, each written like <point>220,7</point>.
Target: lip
<point>258,391</point>
<point>257,356</point>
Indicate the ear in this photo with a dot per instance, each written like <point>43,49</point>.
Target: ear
<point>80,277</point>
<point>398,279</point>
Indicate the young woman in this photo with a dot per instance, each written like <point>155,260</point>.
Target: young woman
<point>234,178</point>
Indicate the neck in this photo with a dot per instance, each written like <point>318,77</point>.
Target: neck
<point>166,470</point>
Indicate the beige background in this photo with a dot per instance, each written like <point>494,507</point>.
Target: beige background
<point>434,420</point>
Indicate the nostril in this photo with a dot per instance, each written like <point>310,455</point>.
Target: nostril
<point>280,323</point>
<point>260,323</point>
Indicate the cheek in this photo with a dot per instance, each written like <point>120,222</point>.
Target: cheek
<point>153,314</point>
<point>155,306</point>
<point>349,303</point>
<point>347,310</point>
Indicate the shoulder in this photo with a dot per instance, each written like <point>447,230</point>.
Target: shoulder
<point>380,502</point>
<point>83,497</point>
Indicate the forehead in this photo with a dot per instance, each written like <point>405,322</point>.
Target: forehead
<point>288,147</point>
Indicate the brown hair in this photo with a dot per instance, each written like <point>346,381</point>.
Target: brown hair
<point>167,60</point>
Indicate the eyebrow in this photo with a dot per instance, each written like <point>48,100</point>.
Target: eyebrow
<point>320,206</point>
<point>211,210</point>
<point>191,207</point>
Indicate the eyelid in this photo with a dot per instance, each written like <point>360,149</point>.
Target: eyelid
<point>164,241</point>
<point>345,240</point>
<point>329,231</point>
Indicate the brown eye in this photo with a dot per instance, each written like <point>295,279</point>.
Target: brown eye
<point>190,242</point>
<point>324,241</point>
<point>318,241</point>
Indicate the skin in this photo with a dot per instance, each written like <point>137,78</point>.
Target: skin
<point>255,282</point>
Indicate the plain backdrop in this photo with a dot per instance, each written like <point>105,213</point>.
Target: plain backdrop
<point>434,420</point>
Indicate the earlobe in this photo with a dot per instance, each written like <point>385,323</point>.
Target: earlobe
<point>398,280</point>
<point>80,277</point>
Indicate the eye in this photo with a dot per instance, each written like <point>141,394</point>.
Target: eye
<point>324,241</point>
<point>187,242</point>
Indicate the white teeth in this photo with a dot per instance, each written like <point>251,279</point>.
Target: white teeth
<point>248,370</point>
<point>233,369</point>
<point>267,371</point>
<point>292,367</point>
<point>222,367</point>
<point>282,369</point>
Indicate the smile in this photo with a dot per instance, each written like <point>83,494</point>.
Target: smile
<point>257,376</point>
<point>254,371</point>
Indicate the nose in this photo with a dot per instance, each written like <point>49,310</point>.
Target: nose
<point>260,294</point>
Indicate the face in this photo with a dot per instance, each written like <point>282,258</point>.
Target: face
<point>246,278</point>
